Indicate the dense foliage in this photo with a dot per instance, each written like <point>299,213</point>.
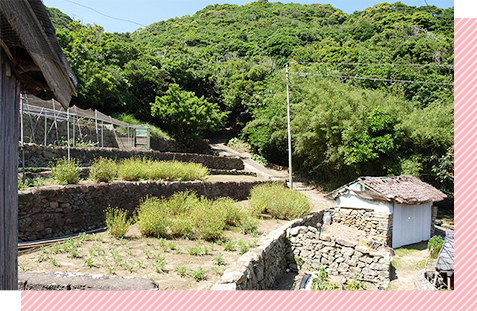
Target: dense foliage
<point>232,58</point>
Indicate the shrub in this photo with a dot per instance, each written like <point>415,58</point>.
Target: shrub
<point>278,201</point>
<point>198,250</point>
<point>229,246</point>
<point>436,243</point>
<point>249,224</point>
<point>320,282</point>
<point>179,207</point>
<point>117,222</point>
<point>243,247</point>
<point>198,274</point>
<point>210,218</point>
<point>355,285</point>
<point>103,170</point>
<point>65,173</point>
<point>181,270</point>
<point>233,211</point>
<point>219,260</point>
<point>151,218</point>
<point>184,213</point>
<point>132,169</point>
<point>31,182</point>
<point>239,217</point>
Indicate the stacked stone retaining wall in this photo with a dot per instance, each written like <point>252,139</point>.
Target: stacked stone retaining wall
<point>57,211</point>
<point>310,250</point>
<point>261,267</point>
<point>377,226</point>
<point>41,156</point>
<point>299,245</point>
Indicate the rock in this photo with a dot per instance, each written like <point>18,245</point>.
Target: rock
<point>233,277</point>
<point>343,267</point>
<point>325,237</point>
<point>347,251</point>
<point>229,286</point>
<point>345,242</point>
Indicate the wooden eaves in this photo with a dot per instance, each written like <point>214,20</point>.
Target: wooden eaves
<point>38,61</point>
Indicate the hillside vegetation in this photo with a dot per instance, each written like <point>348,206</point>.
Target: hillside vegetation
<point>228,62</point>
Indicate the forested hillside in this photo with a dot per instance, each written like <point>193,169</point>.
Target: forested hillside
<point>350,116</point>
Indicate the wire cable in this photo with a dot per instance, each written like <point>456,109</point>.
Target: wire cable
<point>373,79</point>
<point>372,64</point>
<point>109,16</point>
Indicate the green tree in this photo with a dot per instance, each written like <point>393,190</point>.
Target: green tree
<point>186,114</point>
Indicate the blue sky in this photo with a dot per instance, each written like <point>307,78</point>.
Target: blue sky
<point>146,12</point>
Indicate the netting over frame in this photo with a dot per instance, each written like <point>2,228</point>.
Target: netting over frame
<point>53,112</point>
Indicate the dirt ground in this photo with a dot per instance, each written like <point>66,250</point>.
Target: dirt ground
<point>135,249</point>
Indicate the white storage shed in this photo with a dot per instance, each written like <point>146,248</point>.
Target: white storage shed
<point>406,200</point>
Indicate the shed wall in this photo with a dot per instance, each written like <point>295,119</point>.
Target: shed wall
<point>351,200</point>
<point>411,224</point>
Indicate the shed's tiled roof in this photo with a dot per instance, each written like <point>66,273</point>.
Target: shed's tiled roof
<point>402,189</point>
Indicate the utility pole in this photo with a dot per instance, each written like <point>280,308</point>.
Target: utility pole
<point>289,132</point>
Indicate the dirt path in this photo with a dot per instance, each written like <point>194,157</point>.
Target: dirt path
<point>407,260</point>
<point>317,198</point>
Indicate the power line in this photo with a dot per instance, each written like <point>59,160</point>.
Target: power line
<point>373,79</point>
<point>133,22</point>
<point>109,16</point>
<point>373,64</point>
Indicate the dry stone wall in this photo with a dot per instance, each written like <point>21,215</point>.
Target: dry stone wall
<point>261,267</point>
<point>57,211</point>
<point>299,245</point>
<point>310,249</point>
<point>377,226</point>
<point>40,156</point>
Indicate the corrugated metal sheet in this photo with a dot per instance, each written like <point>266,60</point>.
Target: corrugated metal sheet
<point>445,260</point>
<point>411,224</point>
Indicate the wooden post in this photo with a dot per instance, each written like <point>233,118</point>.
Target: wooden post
<point>9,115</point>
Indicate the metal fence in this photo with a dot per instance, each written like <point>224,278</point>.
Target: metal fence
<point>46,122</point>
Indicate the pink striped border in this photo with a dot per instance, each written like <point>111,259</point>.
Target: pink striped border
<point>464,297</point>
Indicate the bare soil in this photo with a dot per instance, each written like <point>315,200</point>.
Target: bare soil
<point>405,264</point>
<point>134,249</point>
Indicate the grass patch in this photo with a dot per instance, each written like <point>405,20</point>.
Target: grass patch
<point>239,145</point>
<point>185,215</point>
<point>278,201</point>
<point>103,170</point>
<point>65,173</point>
<point>135,169</point>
